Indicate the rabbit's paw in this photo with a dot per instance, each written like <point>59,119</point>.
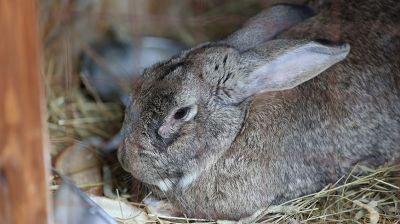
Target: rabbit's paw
<point>161,207</point>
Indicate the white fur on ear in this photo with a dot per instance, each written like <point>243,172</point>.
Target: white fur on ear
<point>293,67</point>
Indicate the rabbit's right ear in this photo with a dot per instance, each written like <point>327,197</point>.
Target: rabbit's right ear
<point>279,65</point>
<point>268,24</point>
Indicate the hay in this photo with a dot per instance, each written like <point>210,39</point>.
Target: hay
<point>75,114</point>
<point>366,195</point>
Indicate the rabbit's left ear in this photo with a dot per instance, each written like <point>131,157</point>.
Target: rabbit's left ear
<point>267,24</point>
<point>283,64</point>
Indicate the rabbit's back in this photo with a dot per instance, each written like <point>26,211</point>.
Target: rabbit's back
<point>356,101</point>
<point>298,141</point>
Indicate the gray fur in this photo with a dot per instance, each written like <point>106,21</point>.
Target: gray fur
<point>267,24</point>
<point>247,149</point>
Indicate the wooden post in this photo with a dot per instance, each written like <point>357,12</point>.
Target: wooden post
<point>23,142</point>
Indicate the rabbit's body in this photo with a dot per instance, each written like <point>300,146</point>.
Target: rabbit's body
<point>244,151</point>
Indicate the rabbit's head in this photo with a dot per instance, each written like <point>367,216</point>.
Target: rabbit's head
<point>181,116</point>
<point>189,110</point>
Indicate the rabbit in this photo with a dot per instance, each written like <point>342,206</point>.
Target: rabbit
<point>279,109</point>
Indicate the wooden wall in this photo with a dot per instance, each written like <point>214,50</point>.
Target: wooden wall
<point>23,177</point>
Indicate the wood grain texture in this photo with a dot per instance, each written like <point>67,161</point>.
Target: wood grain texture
<point>23,182</point>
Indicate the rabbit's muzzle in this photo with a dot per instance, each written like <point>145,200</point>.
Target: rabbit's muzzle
<point>145,166</point>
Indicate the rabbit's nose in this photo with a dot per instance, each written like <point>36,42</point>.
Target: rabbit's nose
<point>163,137</point>
<point>164,131</point>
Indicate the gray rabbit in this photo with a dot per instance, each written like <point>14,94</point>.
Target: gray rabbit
<point>270,113</point>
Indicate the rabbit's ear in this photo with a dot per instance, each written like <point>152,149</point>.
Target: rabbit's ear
<point>283,64</point>
<point>267,24</point>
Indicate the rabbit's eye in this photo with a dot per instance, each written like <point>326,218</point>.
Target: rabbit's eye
<point>181,113</point>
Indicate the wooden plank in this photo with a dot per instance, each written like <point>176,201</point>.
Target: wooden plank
<point>23,141</point>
